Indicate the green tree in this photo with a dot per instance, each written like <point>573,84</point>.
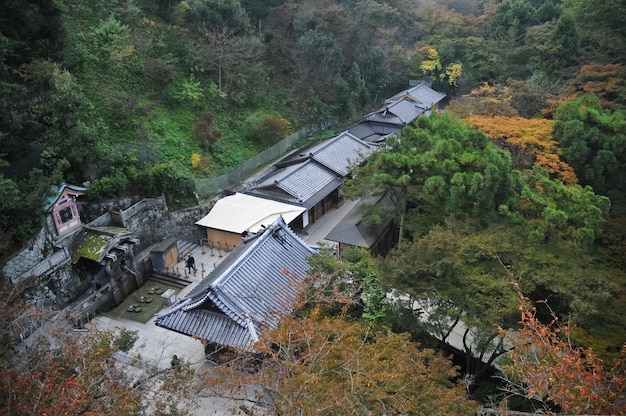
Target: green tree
<point>601,13</point>
<point>318,61</point>
<point>259,10</point>
<point>108,45</point>
<point>553,210</point>
<point>71,130</point>
<point>357,270</point>
<point>190,92</point>
<point>21,213</point>
<point>440,165</point>
<point>562,48</point>
<point>271,129</point>
<point>217,15</point>
<point>460,270</point>
<point>593,142</point>
<point>453,280</point>
<point>8,205</point>
<point>30,31</point>
<point>516,15</point>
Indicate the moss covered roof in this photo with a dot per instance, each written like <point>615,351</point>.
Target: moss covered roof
<point>94,244</point>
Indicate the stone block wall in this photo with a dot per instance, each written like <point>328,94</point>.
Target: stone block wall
<point>44,265</point>
<point>34,253</point>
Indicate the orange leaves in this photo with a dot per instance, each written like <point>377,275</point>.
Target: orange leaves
<point>348,368</point>
<point>530,141</point>
<point>547,367</point>
<point>71,373</point>
<point>321,359</point>
<point>607,81</point>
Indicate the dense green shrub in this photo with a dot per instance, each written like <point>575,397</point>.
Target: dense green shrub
<point>231,150</point>
<point>108,186</point>
<point>270,129</point>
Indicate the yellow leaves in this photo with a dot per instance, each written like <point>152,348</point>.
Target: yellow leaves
<point>431,63</point>
<point>202,163</point>
<point>453,72</point>
<point>398,49</point>
<point>195,160</point>
<point>431,52</point>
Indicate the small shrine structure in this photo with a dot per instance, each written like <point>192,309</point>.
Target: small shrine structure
<point>62,206</point>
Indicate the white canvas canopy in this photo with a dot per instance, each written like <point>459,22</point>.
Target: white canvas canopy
<point>240,212</point>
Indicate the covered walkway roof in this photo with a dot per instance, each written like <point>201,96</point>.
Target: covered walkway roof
<point>240,212</point>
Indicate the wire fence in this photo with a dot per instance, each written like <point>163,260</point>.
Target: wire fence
<point>205,187</point>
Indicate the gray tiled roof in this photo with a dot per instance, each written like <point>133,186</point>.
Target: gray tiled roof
<point>249,291</point>
<point>343,152</point>
<point>372,132</point>
<point>383,116</point>
<point>312,174</point>
<point>422,94</point>
<point>297,183</point>
<point>219,328</point>
<point>406,106</point>
<point>399,112</point>
<point>353,231</point>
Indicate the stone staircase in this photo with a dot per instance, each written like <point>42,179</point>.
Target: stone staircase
<point>184,248</point>
<point>175,281</point>
<point>178,281</point>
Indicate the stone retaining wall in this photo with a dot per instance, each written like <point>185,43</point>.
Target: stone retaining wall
<point>44,268</point>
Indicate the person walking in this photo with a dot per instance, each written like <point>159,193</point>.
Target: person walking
<point>191,263</point>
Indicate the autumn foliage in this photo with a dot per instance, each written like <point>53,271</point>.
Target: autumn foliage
<point>530,141</point>
<point>321,361</point>
<point>607,81</point>
<point>487,100</point>
<point>49,369</point>
<point>204,132</point>
<point>75,379</point>
<point>270,129</point>
<point>547,367</point>
<point>329,365</point>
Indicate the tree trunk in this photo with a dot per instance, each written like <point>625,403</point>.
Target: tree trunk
<point>403,203</point>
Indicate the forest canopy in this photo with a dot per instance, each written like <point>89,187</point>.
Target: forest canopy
<point>521,180</point>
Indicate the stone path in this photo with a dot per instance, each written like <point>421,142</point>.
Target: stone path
<point>156,346</point>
